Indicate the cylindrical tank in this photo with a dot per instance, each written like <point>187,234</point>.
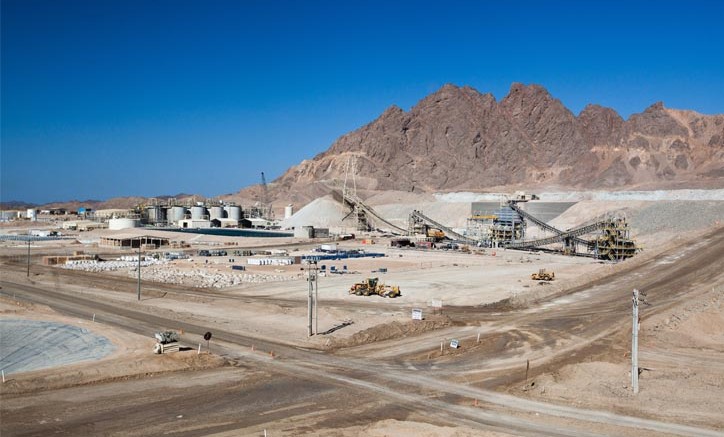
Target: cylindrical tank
<point>115,224</point>
<point>156,214</point>
<point>198,213</point>
<point>32,214</point>
<point>288,211</point>
<point>176,213</point>
<point>216,212</point>
<point>233,212</point>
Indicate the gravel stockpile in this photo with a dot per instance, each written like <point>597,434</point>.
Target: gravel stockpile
<point>676,216</point>
<point>109,266</point>
<point>451,214</point>
<point>205,279</point>
<point>324,212</point>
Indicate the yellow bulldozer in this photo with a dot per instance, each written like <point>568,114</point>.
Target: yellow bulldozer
<point>364,288</point>
<point>543,275</point>
<point>372,286</point>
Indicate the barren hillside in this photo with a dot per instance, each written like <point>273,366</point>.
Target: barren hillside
<point>459,139</point>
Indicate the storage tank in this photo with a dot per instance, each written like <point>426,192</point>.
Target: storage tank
<point>116,224</point>
<point>176,213</point>
<point>156,214</point>
<point>198,213</point>
<point>216,212</point>
<point>233,212</point>
<point>288,211</point>
<point>32,214</point>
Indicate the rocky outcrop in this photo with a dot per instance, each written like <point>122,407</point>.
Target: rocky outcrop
<point>460,139</point>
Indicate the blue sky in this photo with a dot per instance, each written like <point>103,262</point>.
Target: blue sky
<point>104,98</point>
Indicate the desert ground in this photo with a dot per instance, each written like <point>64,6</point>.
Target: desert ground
<point>535,358</point>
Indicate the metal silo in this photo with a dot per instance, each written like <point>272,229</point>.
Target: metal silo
<point>176,213</point>
<point>198,213</point>
<point>216,212</point>
<point>156,214</point>
<point>233,212</point>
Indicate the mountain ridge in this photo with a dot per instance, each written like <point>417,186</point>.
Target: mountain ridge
<point>460,139</point>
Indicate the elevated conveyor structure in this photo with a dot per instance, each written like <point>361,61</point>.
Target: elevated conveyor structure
<point>545,226</point>
<point>613,242</point>
<point>364,212</point>
<point>418,216</point>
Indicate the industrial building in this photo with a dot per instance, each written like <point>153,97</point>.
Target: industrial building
<point>129,241</point>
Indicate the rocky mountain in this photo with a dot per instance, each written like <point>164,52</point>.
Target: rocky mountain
<point>459,139</point>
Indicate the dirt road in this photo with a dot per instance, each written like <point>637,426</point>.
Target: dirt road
<point>389,380</point>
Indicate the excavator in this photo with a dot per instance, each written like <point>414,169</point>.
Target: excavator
<point>372,286</point>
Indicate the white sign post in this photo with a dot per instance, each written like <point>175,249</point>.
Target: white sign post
<point>416,314</point>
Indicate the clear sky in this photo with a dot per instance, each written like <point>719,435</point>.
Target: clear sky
<point>104,98</point>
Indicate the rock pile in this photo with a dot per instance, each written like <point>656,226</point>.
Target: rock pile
<point>204,279</point>
<point>108,266</point>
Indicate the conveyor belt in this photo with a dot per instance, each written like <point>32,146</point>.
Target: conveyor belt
<point>449,232</point>
<point>563,236</point>
<point>548,227</point>
<point>354,201</point>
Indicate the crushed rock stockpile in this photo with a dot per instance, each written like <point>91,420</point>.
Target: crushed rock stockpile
<point>647,217</point>
<point>324,212</point>
<point>205,279</point>
<point>27,345</point>
<point>676,216</point>
<point>108,266</point>
<point>696,208</point>
<point>452,214</point>
<point>575,196</point>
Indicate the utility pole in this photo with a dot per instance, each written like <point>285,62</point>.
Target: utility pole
<point>28,256</point>
<point>635,325</point>
<point>139,268</point>
<point>635,343</point>
<point>311,295</point>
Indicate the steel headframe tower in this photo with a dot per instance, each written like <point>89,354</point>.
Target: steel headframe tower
<point>312,289</point>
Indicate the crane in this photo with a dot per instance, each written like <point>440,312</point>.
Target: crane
<point>265,203</point>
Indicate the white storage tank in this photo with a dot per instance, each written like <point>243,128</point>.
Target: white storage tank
<point>176,214</point>
<point>216,212</point>
<point>116,224</point>
<point>288,211</point>
<point>198,213</point>
<point>32,214</point>
<point>233,212</point>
